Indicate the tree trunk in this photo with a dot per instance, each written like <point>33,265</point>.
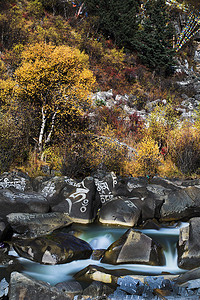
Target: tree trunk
<point>40,143</point>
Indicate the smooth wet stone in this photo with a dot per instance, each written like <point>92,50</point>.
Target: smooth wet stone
<point>78,200</point>
<point>12,201</point>
<point>24,287</point>
<point>97,254</point>
<point>134,247</point>
<point>16,180</point>
<point>57,248</point>
<point>96,273</point>
<point>183,203</point>
<point>119,211</point>
<point>33,225</point>
<point>189,245</point>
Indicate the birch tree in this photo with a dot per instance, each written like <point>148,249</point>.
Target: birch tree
<point>55,82</point>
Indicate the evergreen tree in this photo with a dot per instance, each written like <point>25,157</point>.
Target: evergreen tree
<point>117,19</point>
<point>155,38</point>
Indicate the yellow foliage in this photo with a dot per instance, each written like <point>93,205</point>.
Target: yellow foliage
<point>51,76</point>
<point>184,148</point>
<point>114,57</point>
<point>147,159</point>
<point>162,119</point>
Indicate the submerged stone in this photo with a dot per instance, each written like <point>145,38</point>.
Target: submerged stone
<point>134,247</point>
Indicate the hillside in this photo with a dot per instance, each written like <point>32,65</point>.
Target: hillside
<point>100,85</point>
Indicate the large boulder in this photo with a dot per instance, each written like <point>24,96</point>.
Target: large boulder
<point>34,225</point>
<point>105,185</point>
<point>131,187</point>
<point>119,211</point>
<point>182,203</point>
<point>17,180</point>
<point>189,245</point>
<point>22,202</point>
<point>134,247</point>
<point>57,248</point>
<point>51,188</point>
<point>24,287</point>
<point>78,200</point>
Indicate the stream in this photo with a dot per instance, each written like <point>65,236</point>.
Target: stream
<point>101,237</point>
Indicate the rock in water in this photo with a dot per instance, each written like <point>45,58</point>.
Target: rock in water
<point>134,247</point>
<point>189,245</point>
<point>57,248</point>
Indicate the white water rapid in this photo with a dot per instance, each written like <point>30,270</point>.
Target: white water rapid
<point>100,237</point>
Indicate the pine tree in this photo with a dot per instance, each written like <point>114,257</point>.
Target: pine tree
<point>117,19</point>
<point>154,43</point>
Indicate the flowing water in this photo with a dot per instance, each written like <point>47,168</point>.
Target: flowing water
<point>100,237</point>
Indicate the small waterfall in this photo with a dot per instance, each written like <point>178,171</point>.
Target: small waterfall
<point>100,238</point>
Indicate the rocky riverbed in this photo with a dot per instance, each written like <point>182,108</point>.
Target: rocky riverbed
<point>38,224</point>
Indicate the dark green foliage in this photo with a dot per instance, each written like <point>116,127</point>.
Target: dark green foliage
<point>154,43</point>
<point>117,19</point>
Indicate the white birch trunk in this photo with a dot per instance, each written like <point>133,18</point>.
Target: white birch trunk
<point>52,127</point>
<point>40,144</point>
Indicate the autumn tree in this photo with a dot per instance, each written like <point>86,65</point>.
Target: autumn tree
<point>53,81</point>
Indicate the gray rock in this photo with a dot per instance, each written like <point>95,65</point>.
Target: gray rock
<point>97,289</point>
<point>188,276</point>
<point>17,180</point>
<point>51,188</point>
<point>72,288</point>
<point>33,225</point>
<point>22,202</point>
<point>119,211</point>
<point>57,248</point>
<point>78,200</point>
<point>189,245</point>
<point>134,247</point>
<point>105,185</point>
<point>96,273</point>
<point>181,203</point>
<point>24,287</point>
